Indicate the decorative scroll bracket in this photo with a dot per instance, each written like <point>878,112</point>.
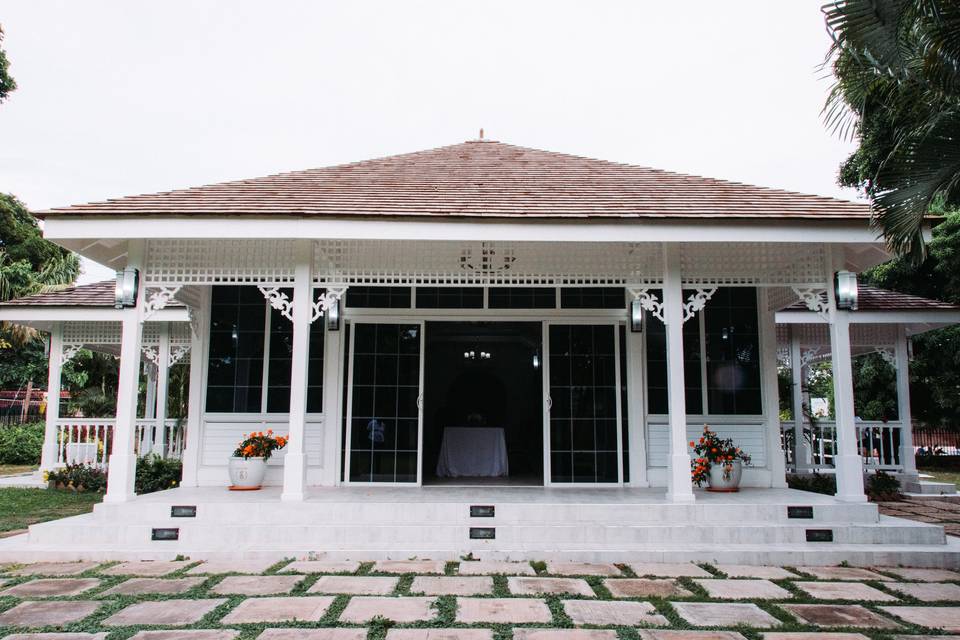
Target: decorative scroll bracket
<point>889,355</point>
<point>697,302</point>
<point>194,321</point>
<point>151,353</point>
<point>158,299</point>
<point>648,301</point>
<point>278,300</point>
<point>330,297</point>
<point>177,353</point>
<point>69,350</point>
<point>809,355</point>
<point>815,300</point>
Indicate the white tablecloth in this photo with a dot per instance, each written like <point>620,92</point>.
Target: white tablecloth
<point>473,451</point>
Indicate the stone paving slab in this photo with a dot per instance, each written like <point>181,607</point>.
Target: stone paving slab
<point>743,589</point>
<point>946,618</point>
<point>669,570</point>
<point>440,634</point>
<point>811,635</point>
<point>563,634</point>
<point>57,636</point>
<point>924,575</point>
<point>839,615</point>
<point>493,567</point>
<point>47,613</point>
<point>502,610</point>
<point>928,591</point>
<point>582,569</point>
<point>410,566</point>
<point>657,634</point>
<point>749,571</point>
<point>606,612</point>
<point>644,588</point>
<point>844,591</point>
<point>355,585</point>
<point>256,585</point>
<point>925,637</point>
<point>523,586</point>
<point>164,612</point>
<point>55,568</point>
<point>146,568</point>
<point>140,586</point>
<point>710,614</point>
<point>452,585</point>
<point>187,634</point>
<point>279,609</point>
<point>842,573</point>
<point>231,566</point>
<point>313,634</point>
<point>51,587</point>
<point>366,608</point>
<point>321,566</point>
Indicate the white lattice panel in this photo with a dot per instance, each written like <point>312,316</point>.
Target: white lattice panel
<point>818,335</point>
<point>219,261</point>
<point>751,263</point>
<point>91,333</point>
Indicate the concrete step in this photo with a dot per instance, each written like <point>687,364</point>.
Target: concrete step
<point>929,487</point>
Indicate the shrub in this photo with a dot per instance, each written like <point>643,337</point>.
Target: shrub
<point>815,483</point>
<point>21,443</point>
<point>78,477</point>
<point>156,474</point>
<point>882,487</point>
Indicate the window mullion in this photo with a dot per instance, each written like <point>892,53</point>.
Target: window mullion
<point>264,381</point>
<point>704,396</point>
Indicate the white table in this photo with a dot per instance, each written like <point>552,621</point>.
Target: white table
<point>473,452</point>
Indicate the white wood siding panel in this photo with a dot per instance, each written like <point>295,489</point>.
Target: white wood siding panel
<point>220,439</point>
<point>747,436</point>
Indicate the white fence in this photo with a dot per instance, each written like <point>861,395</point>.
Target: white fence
<point>878,443</point>
<point>89,441</point>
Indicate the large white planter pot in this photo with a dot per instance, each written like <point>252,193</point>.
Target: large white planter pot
<point>725,477</point>
<point>246,474</point>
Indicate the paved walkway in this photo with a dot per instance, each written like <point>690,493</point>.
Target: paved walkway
<point>942,510</point>
<point>429,600</point>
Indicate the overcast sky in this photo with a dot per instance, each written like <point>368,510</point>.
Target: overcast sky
<point>119,98</point>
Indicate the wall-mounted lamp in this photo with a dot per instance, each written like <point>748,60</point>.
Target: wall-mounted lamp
<point>846,290</point>
<point>636,316</point>
<point>333,316</point>
<point>125,291</point>
<point>536,361</point>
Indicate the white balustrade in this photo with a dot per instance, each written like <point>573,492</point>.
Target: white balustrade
<point>877,442</point>
<point>89,440</point>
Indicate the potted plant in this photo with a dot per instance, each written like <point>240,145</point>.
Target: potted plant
<point>249,462</point>
<point>717,462</point>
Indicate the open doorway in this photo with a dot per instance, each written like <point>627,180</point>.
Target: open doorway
<point>483,404</point>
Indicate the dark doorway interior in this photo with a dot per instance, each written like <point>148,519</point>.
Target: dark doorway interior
<point>485,374</point>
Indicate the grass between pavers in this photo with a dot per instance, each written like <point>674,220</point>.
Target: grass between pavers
<point>446,607</point>
<point>940,475</point>
<point>21,507</point>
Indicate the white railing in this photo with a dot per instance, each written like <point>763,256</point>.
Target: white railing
<point>90,440</point>
<point>878,443</point>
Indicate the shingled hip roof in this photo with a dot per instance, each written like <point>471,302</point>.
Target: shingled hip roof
<point>876,299</point>
<point>478,179</point>
<point>97,294</point>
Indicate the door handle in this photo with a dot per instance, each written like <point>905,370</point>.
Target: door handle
<point>420,401</point>
<point>549,403</point>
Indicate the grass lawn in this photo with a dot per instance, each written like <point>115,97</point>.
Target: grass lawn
<point>16,469</point>
<point>22,507</point>
<point>943,476</point>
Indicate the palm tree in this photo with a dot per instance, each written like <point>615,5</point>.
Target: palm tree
<point>897,68</point>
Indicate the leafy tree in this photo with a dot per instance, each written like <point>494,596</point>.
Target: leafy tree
<point>897,90</point>
<point>7,83</point>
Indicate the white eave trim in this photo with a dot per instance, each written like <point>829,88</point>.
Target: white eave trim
<point>575,230</point>
<point>939,317</point>
<point>41,314</point>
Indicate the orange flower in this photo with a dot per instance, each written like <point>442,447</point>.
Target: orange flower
<point>713,450</point>
<point>692,444</point>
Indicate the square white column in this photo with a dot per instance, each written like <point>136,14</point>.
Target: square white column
<point>159,444</point>
<point>48,456</point>
<point>294,463</point>
<point>907,455</point>
<point>679,481</point>
<point>847,461</point>
<point>199,338</point>
<point>776,459</point>
<point>801,453</point>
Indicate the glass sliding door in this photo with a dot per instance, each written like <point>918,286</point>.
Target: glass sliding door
<point>584,409</point>
<point>384,403</point>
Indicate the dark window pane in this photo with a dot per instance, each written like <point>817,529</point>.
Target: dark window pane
<point>592,298</point>
<point>522,298</point>
<point>449,297</point>
<point>378,297</point>
<point>733,352</point>
<point>657,395</point>
<point>235,363</point>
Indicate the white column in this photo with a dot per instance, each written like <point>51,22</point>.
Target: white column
<point>332,366</point>
<point>163,387</point>
<point>48,456</point>
<point>849,466</point>
<point>797,371</point>
<point>149,406</point>
<point>294,463</point>
<point>907,455</point>
<point>123,460</point>
<point>776,460</point>
<point>195,399</point>
<point>679,483</point>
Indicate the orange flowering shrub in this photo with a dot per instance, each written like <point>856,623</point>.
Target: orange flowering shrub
<point>259,444</point>
<point>710,450</point>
